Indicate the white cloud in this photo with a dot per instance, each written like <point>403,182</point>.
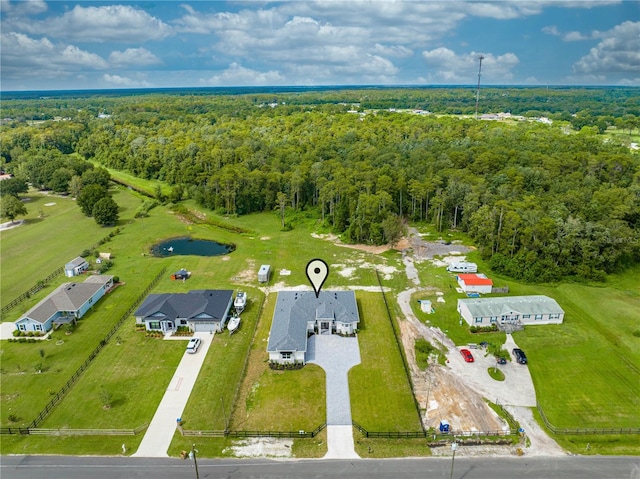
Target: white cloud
<point>398,51</point>
<point>110,23</point>
<point>133,57</point>
<point>121,81</point>
<point>23,55</point>
<point>237,75</point>
<point>574,37</point>
<point>20,8</point>
<point>551,30</point>
<point>617,52</point>
<point>449,67</point>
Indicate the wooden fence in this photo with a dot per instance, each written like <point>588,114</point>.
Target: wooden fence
<point>73,432</point>
<point>584,431</point>
<point>461,436</point>
<point>60,394</point>
<point>278,434</point>
<point>400,350</point>
<point>34,289</point>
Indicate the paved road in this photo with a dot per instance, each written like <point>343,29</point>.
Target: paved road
<point>567,467</point>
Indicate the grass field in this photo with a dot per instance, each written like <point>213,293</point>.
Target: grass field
<point>381,398</point>
<point>585,371</point>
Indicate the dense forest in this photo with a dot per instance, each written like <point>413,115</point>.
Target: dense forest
<point>543,200</point>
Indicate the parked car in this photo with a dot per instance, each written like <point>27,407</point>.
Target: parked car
<point>466,354</point>
<point>501,360</point>
<point>520,356</point>
<point>194,344</point>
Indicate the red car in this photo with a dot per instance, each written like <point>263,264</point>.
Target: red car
<point>466,354</point>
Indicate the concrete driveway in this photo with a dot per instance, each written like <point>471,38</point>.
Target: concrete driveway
<point>336,355</point>
<point>159,434</point>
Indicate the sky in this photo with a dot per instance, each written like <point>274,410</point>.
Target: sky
<point>63,45</point>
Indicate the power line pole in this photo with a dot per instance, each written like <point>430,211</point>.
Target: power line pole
<point>480,58</point>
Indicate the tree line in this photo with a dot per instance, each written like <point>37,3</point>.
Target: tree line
<point>541,201</point>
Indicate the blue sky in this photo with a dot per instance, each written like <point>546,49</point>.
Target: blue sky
<point>48,45</point>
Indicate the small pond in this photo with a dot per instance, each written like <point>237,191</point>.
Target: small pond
<point>189,246</point>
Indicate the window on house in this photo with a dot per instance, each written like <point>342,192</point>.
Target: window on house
<point>183,322</point>
<point>554,316</point>
<point>538,317</point>
<point>285,355</point>
<point>494,319</point>
<point>90,300</point>
<point>22,327</point>
<point>478,320</point>
<point>37,327</point>
<point>154,324</point>
<point>526,316</point>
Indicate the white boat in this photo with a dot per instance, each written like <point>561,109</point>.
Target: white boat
<point>233,323</point>
<point>240,302</point>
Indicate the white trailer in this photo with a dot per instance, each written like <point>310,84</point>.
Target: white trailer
<point>462,267</point>
<point>263,273</point>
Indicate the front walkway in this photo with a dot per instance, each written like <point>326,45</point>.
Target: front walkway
<point>160,432</point>
<point>336,355</point>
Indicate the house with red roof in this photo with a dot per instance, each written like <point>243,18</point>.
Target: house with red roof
<point>474,283</point>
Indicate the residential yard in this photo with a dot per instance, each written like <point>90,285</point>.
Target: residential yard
<point>381,398</point>
<point>586,371</point>
<point>212,400</point>
<point>278,400</point>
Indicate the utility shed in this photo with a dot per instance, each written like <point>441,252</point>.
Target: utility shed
<point>263,273</point>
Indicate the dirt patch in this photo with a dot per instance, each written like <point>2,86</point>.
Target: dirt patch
<point>247,275</point>
<point>360,247</point>
<point>442,395</point>
<point>262,447</point>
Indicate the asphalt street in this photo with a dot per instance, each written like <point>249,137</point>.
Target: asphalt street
<point>566,467</point>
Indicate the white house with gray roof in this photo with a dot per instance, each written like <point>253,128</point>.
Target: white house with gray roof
<point>76,267</point>
<point>520,310</point>
<point>298,314</point>
<point>67,303</point>
<point>204,310</point>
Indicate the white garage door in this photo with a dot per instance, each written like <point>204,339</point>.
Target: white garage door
<point>206,326</point>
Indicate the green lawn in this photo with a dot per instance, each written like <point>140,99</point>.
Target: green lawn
<point>134,370</point>
<point>585,371</point>
<point>266,394</point>
<point>381,398</point>
<point>594,357</point>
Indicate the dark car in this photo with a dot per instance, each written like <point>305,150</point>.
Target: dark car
<point>501,360</point>
<point>520,356</point>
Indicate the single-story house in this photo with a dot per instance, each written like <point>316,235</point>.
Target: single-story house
<point>75,267</point>
<point>67,303</point>
<point>536,309</point>
<point>202,310</point>
<point>474,283</point>
<point>298,314</point>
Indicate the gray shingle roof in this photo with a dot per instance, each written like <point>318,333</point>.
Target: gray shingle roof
<point>75,262</point>
<point>202,304</point>
<point>489,307</point>
<point>295,308</point>
<point>67,297</point>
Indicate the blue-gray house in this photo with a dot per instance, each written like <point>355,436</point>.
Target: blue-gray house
<point>298,314</point>
<point>67,303</point>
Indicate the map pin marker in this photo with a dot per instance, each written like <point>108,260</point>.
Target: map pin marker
<point>317,272</point>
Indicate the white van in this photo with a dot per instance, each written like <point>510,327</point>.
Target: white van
<point>194,344</point>
<point>462,267</point>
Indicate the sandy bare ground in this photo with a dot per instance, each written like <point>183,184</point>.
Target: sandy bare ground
<point>456,392</point>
